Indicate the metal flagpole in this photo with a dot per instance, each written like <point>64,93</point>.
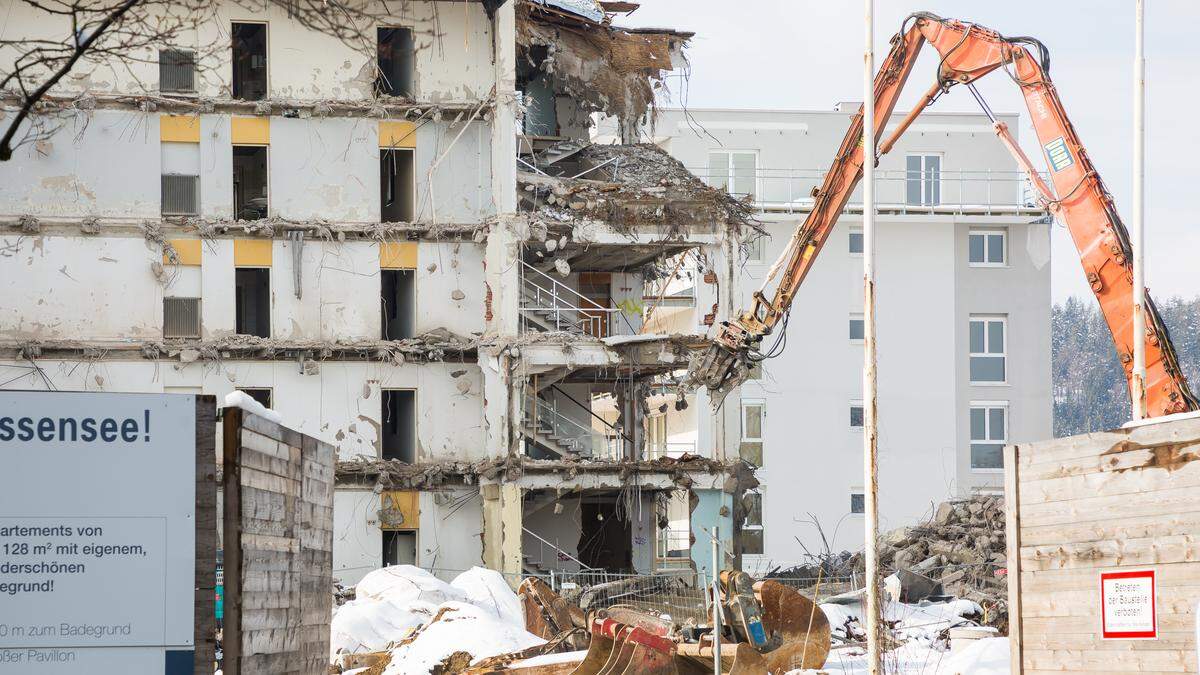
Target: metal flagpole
<point>870,418</point>
<point>1138,393</point>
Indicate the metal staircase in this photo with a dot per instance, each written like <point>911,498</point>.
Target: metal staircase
<point>555,433</point>
<point>548,305</point>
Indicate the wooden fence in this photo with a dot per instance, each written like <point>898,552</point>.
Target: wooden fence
<point>1083,506</point>
<point>278,539</point>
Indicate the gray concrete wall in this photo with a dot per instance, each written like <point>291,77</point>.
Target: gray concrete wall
<point>1020,292</point>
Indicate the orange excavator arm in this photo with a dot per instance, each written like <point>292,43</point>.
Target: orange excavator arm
<point>1078,198</point>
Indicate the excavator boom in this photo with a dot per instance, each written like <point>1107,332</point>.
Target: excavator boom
<point>1079,199</point>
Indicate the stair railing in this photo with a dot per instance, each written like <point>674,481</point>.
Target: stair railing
<point>558,551</point>
<point>564,307</point>
<point>579,438</point>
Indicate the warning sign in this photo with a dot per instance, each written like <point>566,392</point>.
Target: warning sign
<point>1128,607</point>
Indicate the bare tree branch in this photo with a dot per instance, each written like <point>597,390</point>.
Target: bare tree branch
<point>117,33</point>
<point>80,48</point>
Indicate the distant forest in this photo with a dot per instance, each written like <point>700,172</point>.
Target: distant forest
<point>1090,392</point>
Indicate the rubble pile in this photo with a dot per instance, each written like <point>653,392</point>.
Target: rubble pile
<point>961,550</point>
<point>627,186</point>
<point>394,474</point>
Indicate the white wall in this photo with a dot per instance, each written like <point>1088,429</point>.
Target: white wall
<point>76,171</point>
<point>448,541</point>
<point>108,164</point>
<point>357,539</point>
<point>324,168</point>
<point>340,287</point>
<point>72,287</point>
<point>340,405</point>
<point>453,53</point>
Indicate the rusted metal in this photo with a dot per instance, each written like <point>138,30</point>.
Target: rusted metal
<point>796,635</point>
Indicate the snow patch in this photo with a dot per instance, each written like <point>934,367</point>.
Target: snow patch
<point>487,589</point>
<point>240,399</point>
<point>462,627</point>
<point>918,628</point>
<point>989,656</point>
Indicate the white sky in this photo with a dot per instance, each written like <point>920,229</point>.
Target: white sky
<point>807,54</point>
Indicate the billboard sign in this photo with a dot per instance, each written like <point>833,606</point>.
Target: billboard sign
<point>97,532</point>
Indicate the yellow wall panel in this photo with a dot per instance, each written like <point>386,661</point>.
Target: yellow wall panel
<point>179,129</point>
<point>188,251</point>
<point>252,252</point>
<point>401,510</point>
<point>251,131</point>
<point>397,134</point>
<point>398,256</point>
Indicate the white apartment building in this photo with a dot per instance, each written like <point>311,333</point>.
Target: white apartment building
<point>963,320</point>
<point>409,250</point>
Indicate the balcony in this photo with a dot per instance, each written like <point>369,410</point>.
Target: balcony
<point>959,192</point>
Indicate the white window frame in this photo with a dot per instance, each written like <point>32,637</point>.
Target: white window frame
<point>728,174</point>
<point>762,419</point>
<point>853,405</point>
<point>986,318</point>
<point>941,177</point>
<point>762,517</point>
<point>987,406</point>
<point>853,231</point>
<point>984,232</point>
<point>853,316</point>
<point>756,249</point>
<point>857,491</point>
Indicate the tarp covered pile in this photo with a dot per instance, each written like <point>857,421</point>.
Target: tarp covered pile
<point>410,622</point>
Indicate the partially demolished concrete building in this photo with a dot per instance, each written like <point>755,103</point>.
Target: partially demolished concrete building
<point>409,250</point>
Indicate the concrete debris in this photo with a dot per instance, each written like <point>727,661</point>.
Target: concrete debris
<point>212,228</point>
<point>626,186</point>
<point>434,345</point>
<point>389,106</point>
<point>389,474</point>
<point>562,267</point>
<point>959,552</point>
<point>602,67</point>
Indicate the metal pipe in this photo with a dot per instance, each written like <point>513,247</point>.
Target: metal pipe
<point>1138,241</point>
<point>870,423</point>
<point>930,95</point>
<point>716,591</point>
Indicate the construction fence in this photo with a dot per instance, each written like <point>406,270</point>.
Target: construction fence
<point>683,595</point>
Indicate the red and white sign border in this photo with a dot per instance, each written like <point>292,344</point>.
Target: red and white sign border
<point>1131,635</point>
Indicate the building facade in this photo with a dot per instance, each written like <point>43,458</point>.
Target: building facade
<point>963,272</point>
<point>409,250</point>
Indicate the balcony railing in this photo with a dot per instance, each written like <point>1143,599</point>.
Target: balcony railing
<point>967,191</point>
<point>673,449</point>
<point>547,304</point>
